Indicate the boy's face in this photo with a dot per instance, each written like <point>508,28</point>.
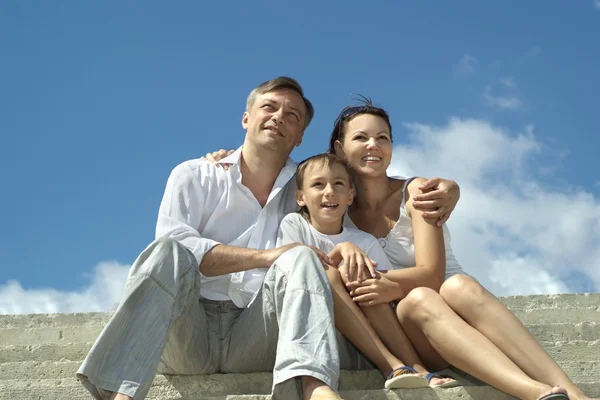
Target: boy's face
<point>327,193</point>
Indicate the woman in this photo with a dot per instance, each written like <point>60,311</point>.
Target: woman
<point>449,318</point>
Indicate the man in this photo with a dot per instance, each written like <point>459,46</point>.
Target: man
<point>212,293</point>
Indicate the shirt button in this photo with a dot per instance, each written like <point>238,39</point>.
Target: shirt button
<point>382,243</point>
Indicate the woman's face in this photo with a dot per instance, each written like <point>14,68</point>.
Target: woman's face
<point>367,145</point>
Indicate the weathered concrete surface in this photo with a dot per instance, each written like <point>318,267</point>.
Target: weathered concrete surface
<point>39,355</point>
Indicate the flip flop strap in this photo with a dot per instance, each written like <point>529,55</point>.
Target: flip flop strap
<point>432,375</point>
<point>401,371</point>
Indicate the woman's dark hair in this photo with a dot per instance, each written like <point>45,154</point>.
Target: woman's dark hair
<point>319,160</point>
<point>348,113</point>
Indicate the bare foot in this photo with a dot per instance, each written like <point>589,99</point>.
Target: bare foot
<point>436,381</point>
<point>315,389</point>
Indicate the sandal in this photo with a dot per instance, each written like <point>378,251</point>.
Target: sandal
<point>555,396</point>
<point>449,384</point>
<point>405,377</point>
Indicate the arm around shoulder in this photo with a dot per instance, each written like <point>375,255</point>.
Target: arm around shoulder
<point>429,244</point>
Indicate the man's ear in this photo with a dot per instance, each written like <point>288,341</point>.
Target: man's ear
<point>300,198</point>
<point>245,120</point>
<point>339,149</point>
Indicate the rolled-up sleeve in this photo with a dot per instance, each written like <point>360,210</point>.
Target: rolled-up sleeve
<point>181,208</point>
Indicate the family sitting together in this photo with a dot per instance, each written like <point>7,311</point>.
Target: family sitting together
<point>260,264</point>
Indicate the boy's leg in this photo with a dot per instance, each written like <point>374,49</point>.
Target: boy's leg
<point>354,325</point>
<point>161,297</point>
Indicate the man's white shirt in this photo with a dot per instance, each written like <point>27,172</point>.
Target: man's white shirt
<point>204,206</point>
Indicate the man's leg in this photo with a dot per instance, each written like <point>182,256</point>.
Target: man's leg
<point>289,328</point>
<point>160,302</point>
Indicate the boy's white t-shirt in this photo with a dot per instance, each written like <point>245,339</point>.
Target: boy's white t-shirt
<point>295,229</point>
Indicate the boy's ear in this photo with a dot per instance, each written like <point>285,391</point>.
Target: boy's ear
<point>300,198</point>
<point>351,194</point>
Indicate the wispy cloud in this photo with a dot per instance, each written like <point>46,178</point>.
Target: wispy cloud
<point>503,102</point>
<point>509,230</point>
<point>508,81</point>
<point>465,66</point>
<point>597,4</point>
<point>102,294</point>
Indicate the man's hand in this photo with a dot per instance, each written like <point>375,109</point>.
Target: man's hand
<point>219,155</point>
<point>357,265</point>
<point>374,291</point>
<point>273,254</point>
<point>438,199</point>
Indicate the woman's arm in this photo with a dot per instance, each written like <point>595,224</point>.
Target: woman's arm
<point>430,260</point>
<point>430,249</point>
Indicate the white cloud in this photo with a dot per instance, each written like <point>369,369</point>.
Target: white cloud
<point>597,4</point>
<point>465,66</point>
<point>102,294</point>
<point>504,102</point>
<point>510,231</point>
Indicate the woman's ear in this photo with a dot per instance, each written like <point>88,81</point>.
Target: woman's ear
<point>339,149</point>
<point>300,198</point>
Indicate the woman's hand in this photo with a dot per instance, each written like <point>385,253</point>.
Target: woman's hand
<point>357,264</point>
<point>374,291</point>
<point>438,199</point>
<point>217,156</point>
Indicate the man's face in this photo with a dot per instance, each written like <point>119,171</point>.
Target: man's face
<point>276,120</point>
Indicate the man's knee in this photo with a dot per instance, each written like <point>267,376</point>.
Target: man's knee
<point>299,258</point>
<point>164,255</point>
<point>302,268</point>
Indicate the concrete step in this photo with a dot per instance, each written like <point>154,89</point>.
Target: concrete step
<point>553,301</point>
<point>574,350</point>
<point>547,328</point>
<point>579,371</point>
<point>55,390</point>
<point>51,389</point>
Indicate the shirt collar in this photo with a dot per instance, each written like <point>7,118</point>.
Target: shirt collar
<point>234,159</point>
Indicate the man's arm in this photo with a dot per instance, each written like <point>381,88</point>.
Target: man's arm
<point>223,259</point>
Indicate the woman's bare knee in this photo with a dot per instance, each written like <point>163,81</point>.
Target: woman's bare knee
<point>418,304</point>
<point>461,290</point>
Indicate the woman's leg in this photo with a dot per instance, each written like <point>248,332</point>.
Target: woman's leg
<point>353,324</point>
<point>464,346</point>
<point>483,311</point>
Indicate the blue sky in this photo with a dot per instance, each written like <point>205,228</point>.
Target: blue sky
<point>99,101</point>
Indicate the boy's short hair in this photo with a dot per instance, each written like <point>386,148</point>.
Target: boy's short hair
<point>323,159</point>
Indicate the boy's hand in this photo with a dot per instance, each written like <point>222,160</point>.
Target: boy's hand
<point>357,265</point>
